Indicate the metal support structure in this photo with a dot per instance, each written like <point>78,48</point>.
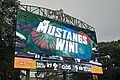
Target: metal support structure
<point>56,15</point>
<point>74,76</point>
<point>64,75</point>
<point>27,74</point>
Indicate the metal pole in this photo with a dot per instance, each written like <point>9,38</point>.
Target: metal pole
<point>74,76</point>
<point>64,75</point>
<point>27,74</point>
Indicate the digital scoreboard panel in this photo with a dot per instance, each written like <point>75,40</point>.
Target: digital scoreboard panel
<point>40,35</point>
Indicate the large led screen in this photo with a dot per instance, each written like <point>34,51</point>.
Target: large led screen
<point>40,35</point>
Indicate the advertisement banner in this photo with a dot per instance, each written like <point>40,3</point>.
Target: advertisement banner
<point>36,34</point>
<point>96,69</point>
<point>63,67</point>
<point>57,66</point>
<point>24,63</point>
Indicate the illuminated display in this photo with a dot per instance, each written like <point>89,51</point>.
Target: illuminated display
<point>39,35</point>
<point>24,63</point>
<point>63,66</point>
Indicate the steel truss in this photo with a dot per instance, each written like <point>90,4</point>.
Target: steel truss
<point>56,15</point>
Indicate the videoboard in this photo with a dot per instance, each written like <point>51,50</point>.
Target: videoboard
<point>39,35</point>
